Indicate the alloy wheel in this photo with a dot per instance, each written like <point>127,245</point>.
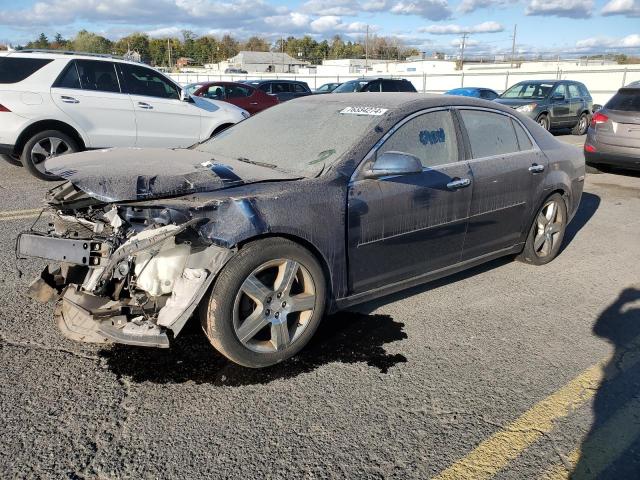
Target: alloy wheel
<point>47,148</point>
<point>274,305</point>
<point>550,222</point>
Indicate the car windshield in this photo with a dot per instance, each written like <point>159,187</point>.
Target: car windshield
<point>192,87</point>
<point>526,90</point>
<point>352,86</point>
<point>280,137</point>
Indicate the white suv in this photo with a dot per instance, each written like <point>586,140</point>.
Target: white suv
<point>56,103</point>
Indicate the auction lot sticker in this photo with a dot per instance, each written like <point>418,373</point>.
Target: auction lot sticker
<point>364,111</point>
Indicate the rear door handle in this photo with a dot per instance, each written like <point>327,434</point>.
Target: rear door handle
<point>253,103</point>
<point>146,106</point>
<point>67,99</point>
<point>535,168</point>
<point>458,183</point>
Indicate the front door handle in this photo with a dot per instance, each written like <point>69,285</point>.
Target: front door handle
<point>67,99</point>
<point>253,103</point>
<point>458,183</point>
<point>146,106</point>
<point>535,168</point>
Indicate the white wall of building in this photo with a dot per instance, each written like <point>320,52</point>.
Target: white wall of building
<point>437,77</point>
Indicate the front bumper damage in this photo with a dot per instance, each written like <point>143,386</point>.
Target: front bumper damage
<point>115,283</point>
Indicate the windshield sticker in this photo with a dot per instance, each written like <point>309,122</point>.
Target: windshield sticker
<point>376,111</point>
<point>431,137</point>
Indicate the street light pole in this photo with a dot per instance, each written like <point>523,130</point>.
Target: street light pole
<point>464,40</point>
<point>513,45</point>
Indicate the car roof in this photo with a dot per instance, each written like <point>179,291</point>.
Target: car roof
<point>68,55</point>
<point>400,101</point>
<point>272,80</point>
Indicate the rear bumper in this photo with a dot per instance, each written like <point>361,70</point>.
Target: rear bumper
<point>624,160</point>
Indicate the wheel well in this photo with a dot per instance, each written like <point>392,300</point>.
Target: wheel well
<point>304,243</point>
<point>42,125</point>
<point>222,127</point>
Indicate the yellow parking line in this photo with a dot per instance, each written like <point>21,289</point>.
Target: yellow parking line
<point>19,214</point>
<point>494,453</point>
<point>603,446</point>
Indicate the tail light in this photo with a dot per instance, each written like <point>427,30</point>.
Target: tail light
<point>589,148</point>
<point>3,108</point>
<point>598,118</point>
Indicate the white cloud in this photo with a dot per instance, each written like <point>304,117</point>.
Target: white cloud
<point>431,9</point>
<point>333,24</point>
<point>561,8</point>
<point>485,27</point>
<point>291,21</point>
<point>469,42</point>
<point>630,8</point>
<point>330,7</point>
<point>468,6</point>
<point>630,41</point>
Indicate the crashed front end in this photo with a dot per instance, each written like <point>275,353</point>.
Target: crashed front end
<point>121,272</point>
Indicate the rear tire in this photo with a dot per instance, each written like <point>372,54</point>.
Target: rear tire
<point>12,159</point>
<point>582,125</point>
<point>546,233</point>
<point>45,145</point>
<point>266,303</point>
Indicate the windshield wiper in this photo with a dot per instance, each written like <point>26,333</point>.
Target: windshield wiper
<point>253,162</point>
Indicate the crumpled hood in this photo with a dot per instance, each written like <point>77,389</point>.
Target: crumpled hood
<point>129,174</point>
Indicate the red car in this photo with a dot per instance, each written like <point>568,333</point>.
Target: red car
<point>244,96</point>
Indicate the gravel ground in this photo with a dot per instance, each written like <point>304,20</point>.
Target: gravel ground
<point>397,388</point>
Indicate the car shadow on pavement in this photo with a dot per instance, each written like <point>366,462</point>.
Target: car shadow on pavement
<point>611,449</point>
<point>346,337</point>
<point>589,204</point>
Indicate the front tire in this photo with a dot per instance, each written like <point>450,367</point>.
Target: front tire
<point>266,304</point>
<point>45,145</point>
<point>543,121</point>
<point>546,234</point>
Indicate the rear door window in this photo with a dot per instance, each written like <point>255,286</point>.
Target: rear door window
<point>236,91</point>
<point>431,137</point>
<point>97,75</point>
<point>389,86</point>
<point>405,86</point>
<point>298,88</point>
<point>280,87</point>
<point>489,133</point>
<point>626,100</point>
<point>16,69</point>
<point>69,78</point>
<point>375,86</point>
<point>574,91</point>
<point>524,142</point>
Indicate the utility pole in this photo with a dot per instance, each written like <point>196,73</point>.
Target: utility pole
<point>282,54</point>
<point>513,45</point>
<point>169,50</point>
<point>464,40</point>
<point>366,50</point>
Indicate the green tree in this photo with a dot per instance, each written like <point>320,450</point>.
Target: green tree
<point>136,42</point>
<point>90,42</point>
<point>256,44</point>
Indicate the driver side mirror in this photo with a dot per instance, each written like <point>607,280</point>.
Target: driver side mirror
<point>184,96</point>
<point>394,163</point>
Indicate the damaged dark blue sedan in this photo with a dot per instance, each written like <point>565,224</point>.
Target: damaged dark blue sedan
<point>312,206</point>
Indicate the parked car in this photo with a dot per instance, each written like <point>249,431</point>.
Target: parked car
<point>485,93</point>
<point>552,103</point>
<point>283,89</point>
<point>613,137</point>
<point>249,98</point>
<point>326,88</point>
<point>265,233</point>
<point>235,70</point>
<point>57,103</point>
<point>376,85</point>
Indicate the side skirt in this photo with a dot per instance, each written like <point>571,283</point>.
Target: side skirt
<point>345,302</point>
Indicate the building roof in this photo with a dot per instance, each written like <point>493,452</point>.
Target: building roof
<point>266,58</point>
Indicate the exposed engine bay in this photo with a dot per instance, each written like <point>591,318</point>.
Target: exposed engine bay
<point>122,272</point>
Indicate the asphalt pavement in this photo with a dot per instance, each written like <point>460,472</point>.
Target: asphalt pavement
<point>505,371</point>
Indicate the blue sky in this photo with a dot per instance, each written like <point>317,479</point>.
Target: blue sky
<point>544,26</point>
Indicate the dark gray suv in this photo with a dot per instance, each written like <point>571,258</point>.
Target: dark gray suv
<point>552,103</point>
